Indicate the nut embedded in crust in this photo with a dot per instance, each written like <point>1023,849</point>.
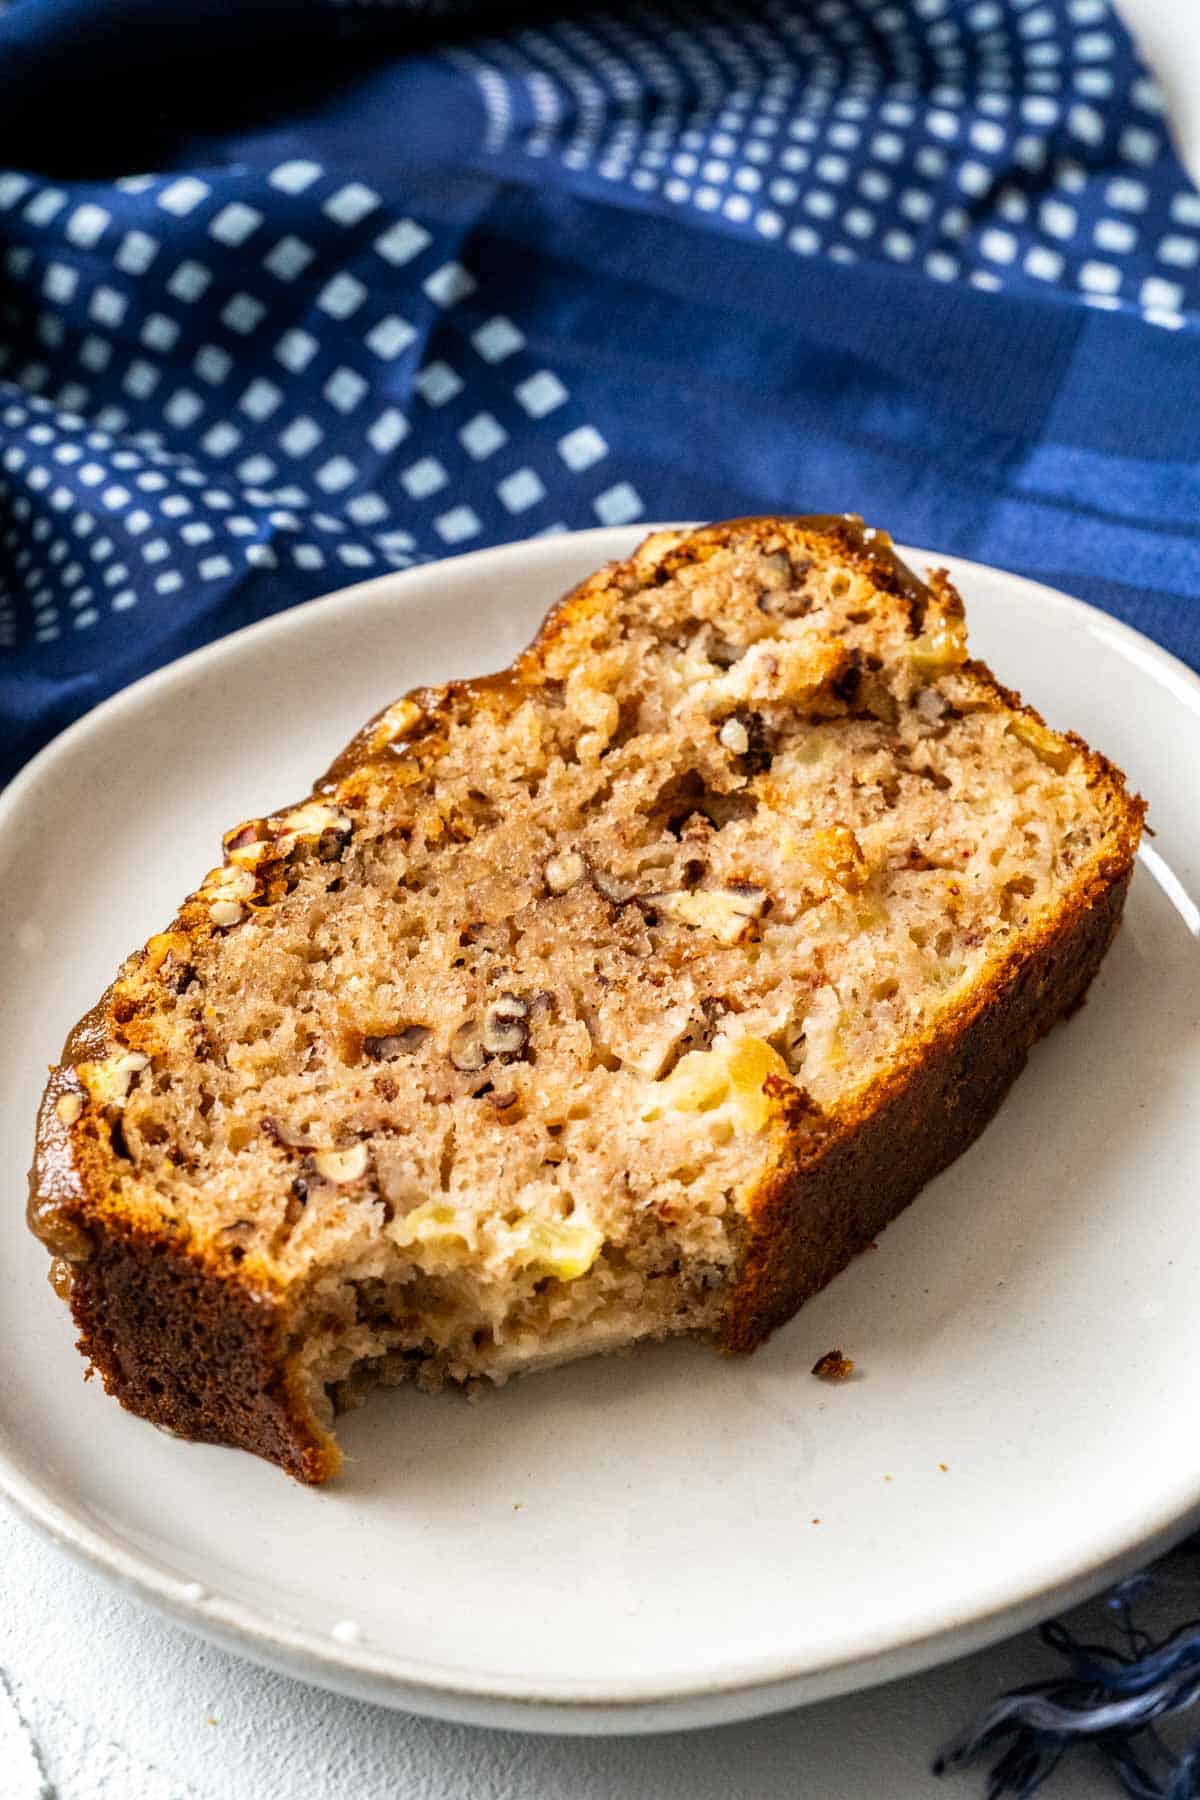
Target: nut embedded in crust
<point>225,913</point>
<point>225,889</point>
<point>251,855</point>
<point>109,1081</point>
<point>228,883</point>
<point>397,722</point>
<point>250,844</point>
<point>310,822</point>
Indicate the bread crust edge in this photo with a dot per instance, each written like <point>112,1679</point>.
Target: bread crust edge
<point>200,1346</point>
<point>842,1180</point>
<point>195,1351</point>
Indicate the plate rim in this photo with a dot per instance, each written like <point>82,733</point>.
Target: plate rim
<point>641,1702</point>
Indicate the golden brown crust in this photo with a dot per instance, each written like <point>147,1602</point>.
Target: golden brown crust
<point>192,1342</point>
<point>199,1351</point>
<point>374,751</point>
<point>199,1343</point>
<point>842,1180</point>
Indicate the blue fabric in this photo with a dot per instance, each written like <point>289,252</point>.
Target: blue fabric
<point>1112,1698</point>
<point>408,280</point>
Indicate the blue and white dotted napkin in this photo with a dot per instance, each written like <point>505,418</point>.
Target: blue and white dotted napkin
<point>294,295</point>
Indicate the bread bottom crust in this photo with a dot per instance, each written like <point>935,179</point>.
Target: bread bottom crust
<point>195,1352</point>
<point>207,1357</point>
<point>853,1177</point>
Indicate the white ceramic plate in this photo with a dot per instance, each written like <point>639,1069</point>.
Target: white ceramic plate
<point>635,1543</point>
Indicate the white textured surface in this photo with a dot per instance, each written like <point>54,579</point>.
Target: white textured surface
<point>95,1675</point>
<point>19,1758</point>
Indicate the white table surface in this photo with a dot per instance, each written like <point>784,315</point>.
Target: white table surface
<point>120,1705</point>
<point>101,1700</point>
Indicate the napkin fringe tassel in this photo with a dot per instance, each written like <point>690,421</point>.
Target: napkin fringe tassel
<point>1112,1698</point>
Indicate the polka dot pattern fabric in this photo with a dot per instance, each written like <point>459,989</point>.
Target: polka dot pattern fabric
<point>1007,143</point>
<point>510,276</point>
<point>209,372</point>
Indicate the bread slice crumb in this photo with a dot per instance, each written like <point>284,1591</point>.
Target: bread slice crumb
<point>833,1366</point>
<point>623,995</point>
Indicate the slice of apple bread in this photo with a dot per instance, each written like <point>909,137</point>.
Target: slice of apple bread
<point>627,993</point>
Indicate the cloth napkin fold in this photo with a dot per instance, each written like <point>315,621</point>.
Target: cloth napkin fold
<point>408,280</point>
